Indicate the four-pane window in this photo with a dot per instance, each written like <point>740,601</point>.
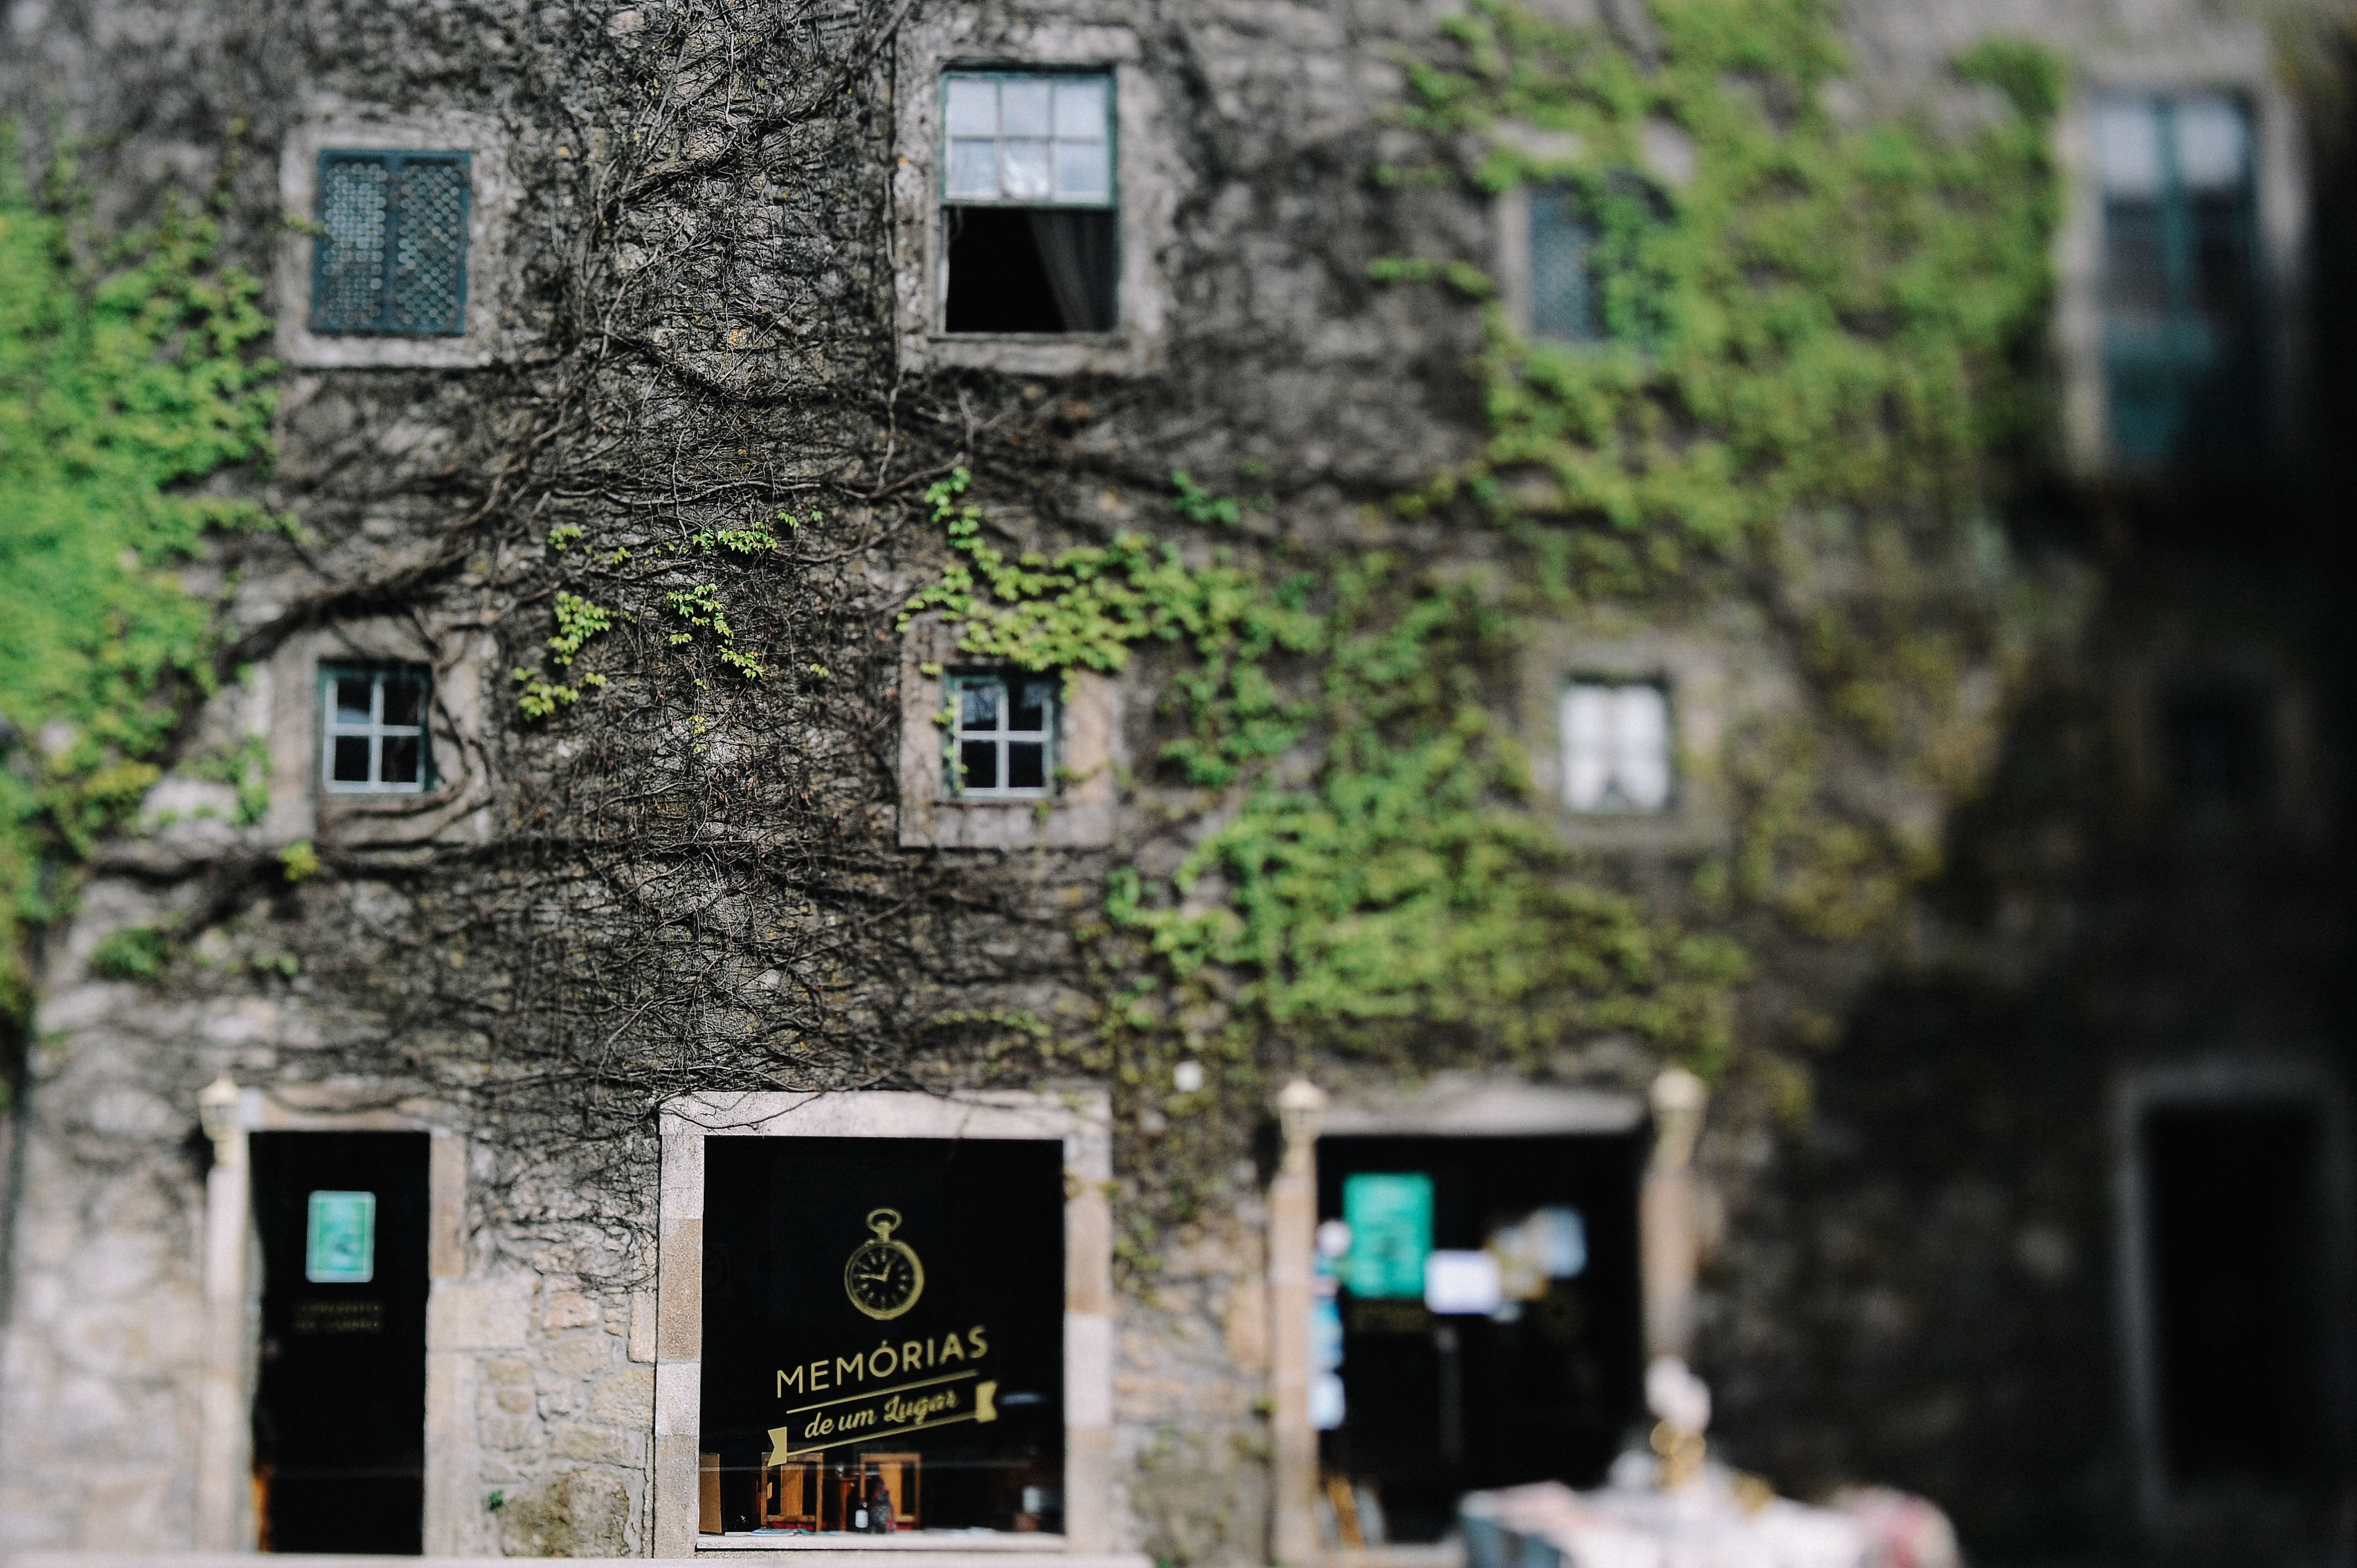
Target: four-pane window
<point>390,256</point>
<point>1616,747</point>
<point>2179,275</point>
<point>375,729</point>
<point>1003,735</point>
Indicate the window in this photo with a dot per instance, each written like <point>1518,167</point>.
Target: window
<point>1002,735</point>
<point>1563,304</point>
<point>2179,277</point>
<point>883,1347</point>
<point>1027,192</point>
<point>374,729</point>
<point>2214,737</point>
<point>391,251</point>
<point>1616,747</point>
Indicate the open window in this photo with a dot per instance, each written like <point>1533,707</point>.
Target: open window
<point>1029,213</point>
<point>2180,278</point>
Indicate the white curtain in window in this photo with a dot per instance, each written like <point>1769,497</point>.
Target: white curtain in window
<point>1616,748</point>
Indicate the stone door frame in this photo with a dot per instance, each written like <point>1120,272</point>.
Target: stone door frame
<point>232,1284</point>
<point>1081,1121</point>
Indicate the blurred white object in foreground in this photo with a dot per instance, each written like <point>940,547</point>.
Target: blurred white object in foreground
<point>1689,1511</point>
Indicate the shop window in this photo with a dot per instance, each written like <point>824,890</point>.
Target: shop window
<point>2216,751</point>
<point>1565,303</point>
<point>1029,203</point>
<point>373,729</point>
<point>1616,747</point>
<point>884,1336</point>
<point>2181,277</point>
<point>391,251</point>
<point>1002,736</point>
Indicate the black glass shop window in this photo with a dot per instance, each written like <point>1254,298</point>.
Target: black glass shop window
<point>883,1336</point>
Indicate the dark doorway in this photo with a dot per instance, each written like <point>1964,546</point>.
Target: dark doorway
<point>1543,1387</point>
<point>340,1417</point>
<point>2236,1233</point>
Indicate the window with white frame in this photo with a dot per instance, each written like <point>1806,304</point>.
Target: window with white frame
<point>1617,749</point>
<point>1028,193</point>
<point>373,729</point>
<point>2181,276</point>
<point>1564,307</point>
<point>1002,736</point>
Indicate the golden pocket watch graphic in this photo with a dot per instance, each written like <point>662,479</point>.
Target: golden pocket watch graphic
<point>884,1278</point>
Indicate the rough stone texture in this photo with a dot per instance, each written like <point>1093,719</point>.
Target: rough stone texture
<point>1911,1284</point>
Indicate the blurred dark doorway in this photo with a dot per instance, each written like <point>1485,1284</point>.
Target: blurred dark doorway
<point>2237,1248</point>
<point>1541,1386</point>
<point>339,1415</point>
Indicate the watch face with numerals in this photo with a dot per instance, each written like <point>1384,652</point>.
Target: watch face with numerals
<point>883,1278</point>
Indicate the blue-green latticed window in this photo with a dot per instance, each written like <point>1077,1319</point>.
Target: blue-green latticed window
<point>391,251</point>
<point>1564,304</point>
<point>2180,278</point>
<point>374,737</point>
<point>1002,735</point>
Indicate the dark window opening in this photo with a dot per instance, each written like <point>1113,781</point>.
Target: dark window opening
<point>1016,269</point>
<point>2217,753</point>
<point>373,723</point>
<point>2235,1230</point>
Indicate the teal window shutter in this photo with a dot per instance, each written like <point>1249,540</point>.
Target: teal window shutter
<point>390,256</point>
<point>1563,304</point>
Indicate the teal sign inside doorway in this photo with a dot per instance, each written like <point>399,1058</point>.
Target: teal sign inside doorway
<point>339,1245</point>
<point>1390,1217</point>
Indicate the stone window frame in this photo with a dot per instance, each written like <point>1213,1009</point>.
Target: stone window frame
<point>2220,1080</point>
<point>454,1312</point>
<point>1145,184</point>
<point>1449,1105</point>
<point>1079,811</point>
<point>288,698</point>
<point>493,199</point>
<point>2231,63</point>
<point>1710,686</point>
<point>1080,1119</point>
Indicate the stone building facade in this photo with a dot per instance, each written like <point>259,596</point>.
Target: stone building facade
<point>707,295</point>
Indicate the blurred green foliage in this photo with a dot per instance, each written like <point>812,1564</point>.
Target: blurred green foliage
<point>125,376</point>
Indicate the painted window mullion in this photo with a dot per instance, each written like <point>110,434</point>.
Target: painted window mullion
<point>388,317</point>
<point>2175,235</point>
